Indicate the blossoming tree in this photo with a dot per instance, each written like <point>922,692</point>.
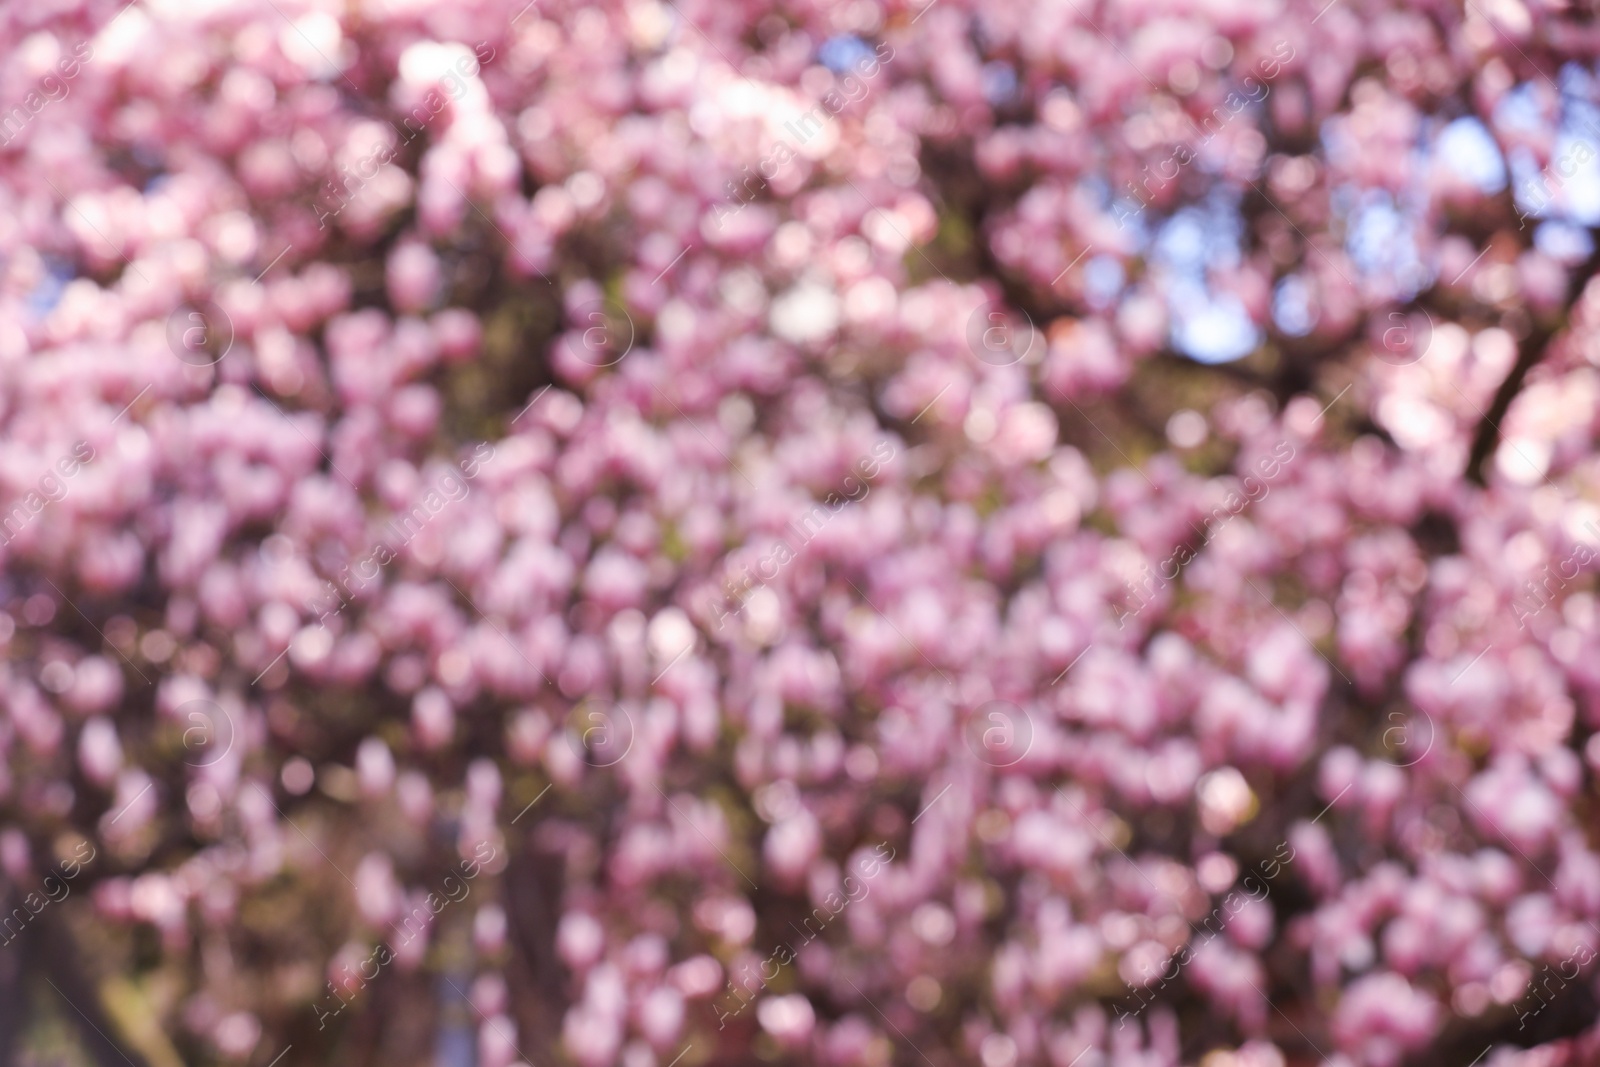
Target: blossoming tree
<point>659,532</point>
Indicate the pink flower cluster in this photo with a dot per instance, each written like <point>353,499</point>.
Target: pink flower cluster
<point>938,303</point>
